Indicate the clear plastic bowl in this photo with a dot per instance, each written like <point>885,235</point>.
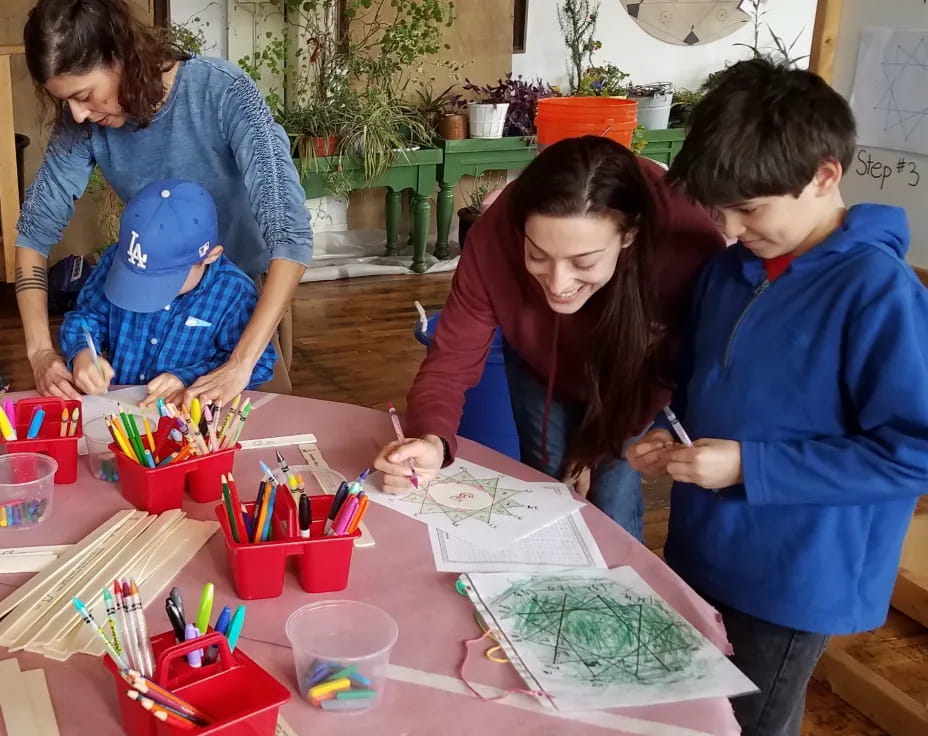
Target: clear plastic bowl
<point>347,637</point>
<point>101,460</point>
<point>27,485</point>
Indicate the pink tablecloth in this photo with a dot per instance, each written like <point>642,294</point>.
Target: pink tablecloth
<point>398,574</point>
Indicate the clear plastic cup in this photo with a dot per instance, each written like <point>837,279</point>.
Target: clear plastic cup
<point>27,484</point>
<point>101,460</point>
<point>338,641</point>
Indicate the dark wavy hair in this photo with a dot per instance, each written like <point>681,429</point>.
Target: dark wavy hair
<point>596,176</point>
<point>77,36</point>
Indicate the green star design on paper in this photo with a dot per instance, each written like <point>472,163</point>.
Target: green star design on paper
<point>461,496</point>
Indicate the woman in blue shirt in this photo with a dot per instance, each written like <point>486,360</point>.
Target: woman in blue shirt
<point>141,109</point>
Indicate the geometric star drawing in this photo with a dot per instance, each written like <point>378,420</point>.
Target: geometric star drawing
<point>461,496</point>
<point>600,632</point>
<point>905,72</point>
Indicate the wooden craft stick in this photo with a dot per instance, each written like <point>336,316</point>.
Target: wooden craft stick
<point>284,728</point>
<point>286,441</point>
<point>44,721</point>
<point>14,702</point>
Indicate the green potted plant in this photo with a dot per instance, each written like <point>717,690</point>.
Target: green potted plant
<point>473,203</point>
<point>606,80</point>
<point>443,113</point>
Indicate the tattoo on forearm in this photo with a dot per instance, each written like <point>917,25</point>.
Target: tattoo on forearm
<point>38,280</point>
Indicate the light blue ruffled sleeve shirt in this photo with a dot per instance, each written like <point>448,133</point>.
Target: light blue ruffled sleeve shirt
<point>216,129</point>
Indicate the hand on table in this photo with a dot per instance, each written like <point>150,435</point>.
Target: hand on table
<point>427,455</point>
<point>165,386</point>
<point>650,455</point>
<point>220,385</point>
<point>87,376</point>
<point>709,463</point>
<point>580,480</point>
<point>52,377</point>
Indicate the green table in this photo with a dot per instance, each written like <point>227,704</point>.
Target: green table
<point>473,157</point>
<point>415,170</point>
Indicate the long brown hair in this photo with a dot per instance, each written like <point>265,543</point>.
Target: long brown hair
<point>596,176</point>
<point>77,36</point>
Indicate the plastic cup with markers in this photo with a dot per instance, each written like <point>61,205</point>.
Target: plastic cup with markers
<point>27,483</point>
<point>341,650</point>
<point>100,458</point>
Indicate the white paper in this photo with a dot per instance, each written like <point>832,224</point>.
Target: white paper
<point>596,639</point>
<point>890,95</point>
<point>95,407</point>
<point>564,544</point>
<point>480,505</point>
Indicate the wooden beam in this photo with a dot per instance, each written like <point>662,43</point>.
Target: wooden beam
<point>9,187</point>
<point>825,37</point>
<point>882,702</point>
<point>11,50</point>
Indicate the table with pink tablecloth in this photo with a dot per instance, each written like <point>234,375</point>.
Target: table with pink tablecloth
<point>424,695</point>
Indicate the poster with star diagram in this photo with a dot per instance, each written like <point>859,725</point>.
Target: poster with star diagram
<point>479,505</point>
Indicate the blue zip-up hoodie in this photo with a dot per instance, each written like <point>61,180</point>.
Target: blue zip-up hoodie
<point>822,376</point>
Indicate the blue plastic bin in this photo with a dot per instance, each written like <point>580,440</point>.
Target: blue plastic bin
<point>487,416</point>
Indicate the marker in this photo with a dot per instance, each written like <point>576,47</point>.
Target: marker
<point>340,495</point>
<point>178,600</point>
<point>363,503</point>
<point>176,619</point>
<point>304,517</point>
<point>222,626</point>
<point>36,424</point>
<point>345,516</point>
<point>677,427</point>
<point>235,627</point>
<point>87,618</point>
<point>205,609</point>
<point>400,437</point>
<point>194,658</point>
<point>358,484</point>
<point>6,425</point>
<point>196,411</point>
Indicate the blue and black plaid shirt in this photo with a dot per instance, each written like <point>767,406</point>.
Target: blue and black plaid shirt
<point>191,336</point>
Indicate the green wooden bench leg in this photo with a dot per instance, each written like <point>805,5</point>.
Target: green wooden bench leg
<point>444,212</point>
<point>392,209</point>
<point>421,211</point>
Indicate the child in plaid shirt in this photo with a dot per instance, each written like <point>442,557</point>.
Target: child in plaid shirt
<point>164,306</point>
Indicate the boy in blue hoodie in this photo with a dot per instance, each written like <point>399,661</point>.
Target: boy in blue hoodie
<point>804,384</point>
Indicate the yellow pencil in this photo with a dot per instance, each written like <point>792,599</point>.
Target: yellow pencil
<point>151,440</point>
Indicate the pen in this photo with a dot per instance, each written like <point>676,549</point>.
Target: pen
<point>304,517</point>
<point>94,356</point>
<point>677,427</point>
<point>398,429</point>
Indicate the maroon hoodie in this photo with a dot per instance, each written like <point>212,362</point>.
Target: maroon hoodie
<point>492,288</point>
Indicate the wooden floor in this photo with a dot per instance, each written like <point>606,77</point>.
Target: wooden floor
<point>354,343</point>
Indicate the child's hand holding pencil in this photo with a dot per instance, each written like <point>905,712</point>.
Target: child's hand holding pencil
<point>92,373</point>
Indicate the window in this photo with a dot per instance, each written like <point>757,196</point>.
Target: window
<point>519,25</point>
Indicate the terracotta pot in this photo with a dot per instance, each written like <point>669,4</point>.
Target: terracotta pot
<point>453,127</point>
<point>325,146</point>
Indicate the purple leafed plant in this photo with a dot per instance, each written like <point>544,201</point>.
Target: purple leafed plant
<point>522,97</point>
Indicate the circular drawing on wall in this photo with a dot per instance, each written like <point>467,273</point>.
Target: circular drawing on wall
<point>687,22</point>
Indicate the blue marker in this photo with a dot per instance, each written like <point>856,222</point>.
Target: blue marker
<point>222,623</point>
<point>36,424</point>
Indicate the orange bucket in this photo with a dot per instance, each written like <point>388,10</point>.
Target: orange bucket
<point>572,117</point>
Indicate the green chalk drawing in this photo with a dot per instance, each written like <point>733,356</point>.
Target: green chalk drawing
<point>599,631</point>
<point>461,496</point>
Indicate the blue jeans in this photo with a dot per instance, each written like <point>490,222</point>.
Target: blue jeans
<point>779,661</point>
<point>615,488</point>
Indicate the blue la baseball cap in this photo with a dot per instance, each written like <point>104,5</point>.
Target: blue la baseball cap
<point>165,229</point>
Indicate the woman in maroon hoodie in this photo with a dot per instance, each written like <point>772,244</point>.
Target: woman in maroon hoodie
<point>586,263</point>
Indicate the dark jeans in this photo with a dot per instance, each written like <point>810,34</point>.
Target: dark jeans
<point>779,661</point>
<point>615,488</point>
